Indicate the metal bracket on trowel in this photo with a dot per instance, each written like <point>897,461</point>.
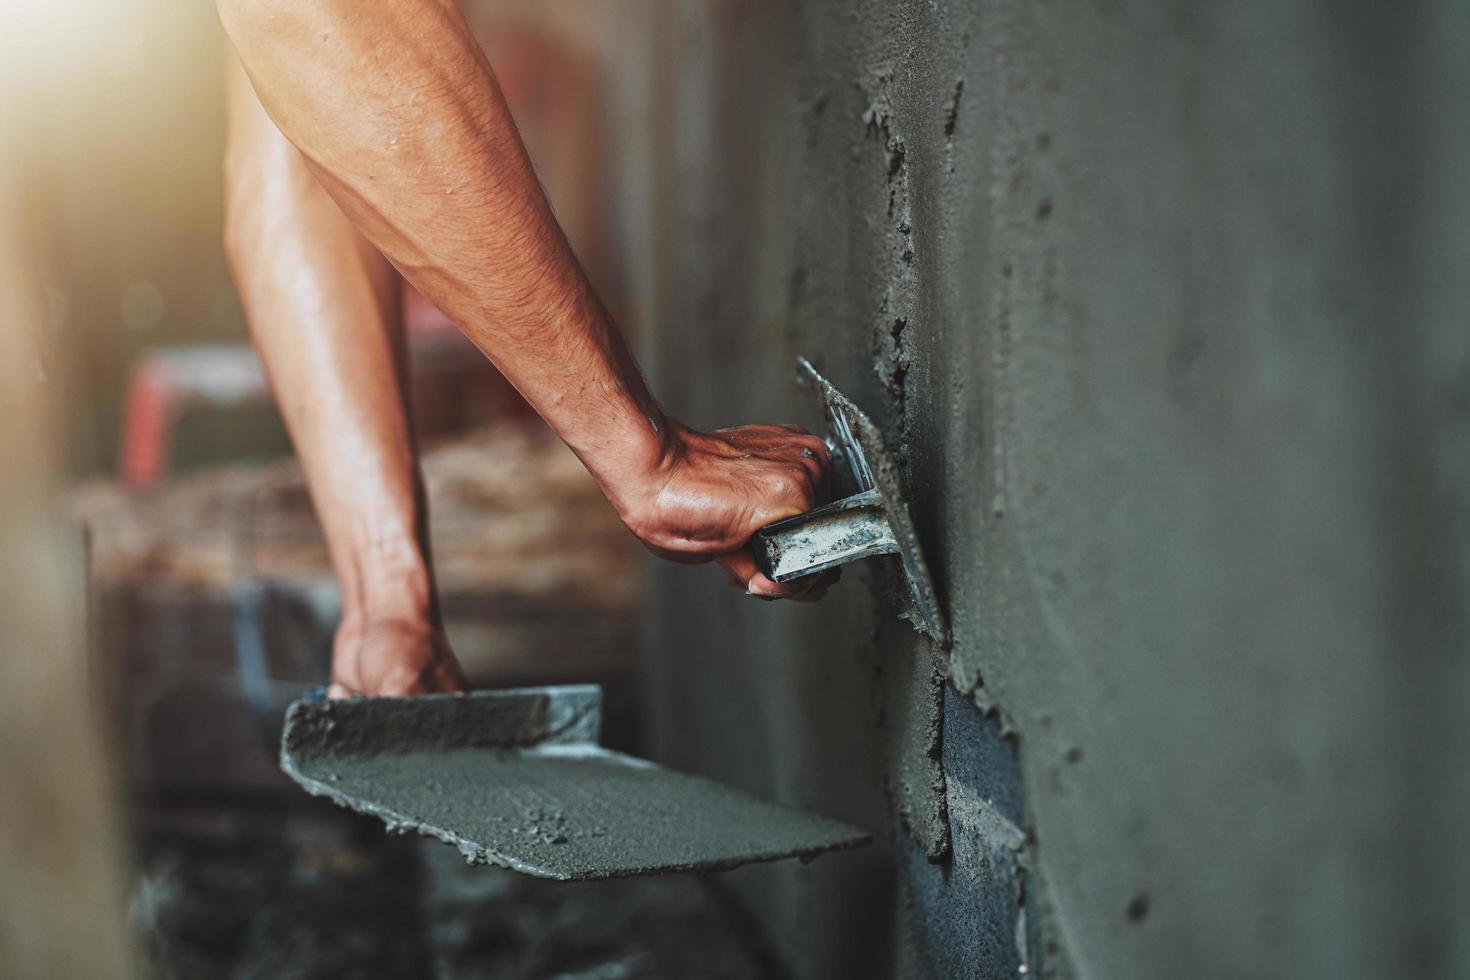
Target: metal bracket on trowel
<point>870,517</point>
<point>517,779</point>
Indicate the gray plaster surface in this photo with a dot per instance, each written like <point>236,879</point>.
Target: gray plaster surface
<point>516,779</point>
<point>1164,309</point>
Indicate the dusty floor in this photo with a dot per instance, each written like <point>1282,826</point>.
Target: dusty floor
<point>229,893</point>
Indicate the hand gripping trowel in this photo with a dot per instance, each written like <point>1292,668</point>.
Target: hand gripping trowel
<point>517,779</point>
<point>869,517</point>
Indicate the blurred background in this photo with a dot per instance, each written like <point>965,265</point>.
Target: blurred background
<point>155,832</point>
<point>1165,310</point>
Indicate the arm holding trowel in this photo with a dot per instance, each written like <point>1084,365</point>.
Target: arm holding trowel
<point>323,306</point>
<point>398,120</point>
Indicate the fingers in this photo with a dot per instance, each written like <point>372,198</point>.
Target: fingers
<point>743,574</point>
<point>809,453</point>
<point>812,453</point>
<point>777,430</point>
<point>680,557</point>
<point>452,676</point>
<point>789,446</point>
<point>727,486</point>
<point>445,677</point>
<point>808,457</point>
<point>389,661</point>
<point>741,568</point>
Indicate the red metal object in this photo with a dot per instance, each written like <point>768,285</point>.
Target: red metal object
<point>453,387</point>
<point>167,382</point>
<point>554,86</point>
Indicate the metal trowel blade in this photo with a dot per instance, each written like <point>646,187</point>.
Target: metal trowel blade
<point>870,517</point>
<point>516,778</point>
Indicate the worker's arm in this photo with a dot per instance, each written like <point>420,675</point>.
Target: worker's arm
<point>323,309</point>
<point>398,114</point>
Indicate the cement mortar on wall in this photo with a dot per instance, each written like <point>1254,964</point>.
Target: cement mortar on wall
<point>1165,310</point>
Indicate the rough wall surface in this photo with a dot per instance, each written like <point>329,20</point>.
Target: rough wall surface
<point>1167,309</point>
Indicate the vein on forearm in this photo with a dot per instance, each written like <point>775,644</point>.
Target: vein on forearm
<point>399,115</point>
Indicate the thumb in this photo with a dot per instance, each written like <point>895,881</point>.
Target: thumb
<point>740,566</point>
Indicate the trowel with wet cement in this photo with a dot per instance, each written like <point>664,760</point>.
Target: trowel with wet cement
<point>517,778</point>
<point>869,518</point>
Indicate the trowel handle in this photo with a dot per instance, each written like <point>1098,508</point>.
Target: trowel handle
<point>831,535</point>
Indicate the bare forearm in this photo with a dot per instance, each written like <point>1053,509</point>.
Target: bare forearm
<point>399,116</point>
<point>323,309</point>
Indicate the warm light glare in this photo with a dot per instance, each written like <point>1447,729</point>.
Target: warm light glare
<point>32,13</point>
<point>42,40</point>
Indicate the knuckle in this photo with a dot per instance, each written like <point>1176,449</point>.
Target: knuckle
<point>784,483</point>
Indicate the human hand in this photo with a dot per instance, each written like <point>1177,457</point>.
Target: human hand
<point>392,658</point>
<point>710,491</point>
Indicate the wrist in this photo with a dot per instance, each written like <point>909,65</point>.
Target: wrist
<point>394,587</point>
<point>637,464</point>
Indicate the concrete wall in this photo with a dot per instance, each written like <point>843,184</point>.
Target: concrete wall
<point>1167,308</point>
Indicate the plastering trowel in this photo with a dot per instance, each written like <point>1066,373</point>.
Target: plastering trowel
<point>517,778</point>
<point>869,517</point>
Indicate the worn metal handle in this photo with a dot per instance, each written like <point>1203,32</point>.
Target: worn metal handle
<point>831,535</point>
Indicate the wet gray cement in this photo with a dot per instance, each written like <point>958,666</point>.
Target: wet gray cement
<point>1163,311</point>
<point>517,779</point>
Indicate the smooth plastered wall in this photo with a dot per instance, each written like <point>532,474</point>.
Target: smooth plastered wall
<point>1166,309</point>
